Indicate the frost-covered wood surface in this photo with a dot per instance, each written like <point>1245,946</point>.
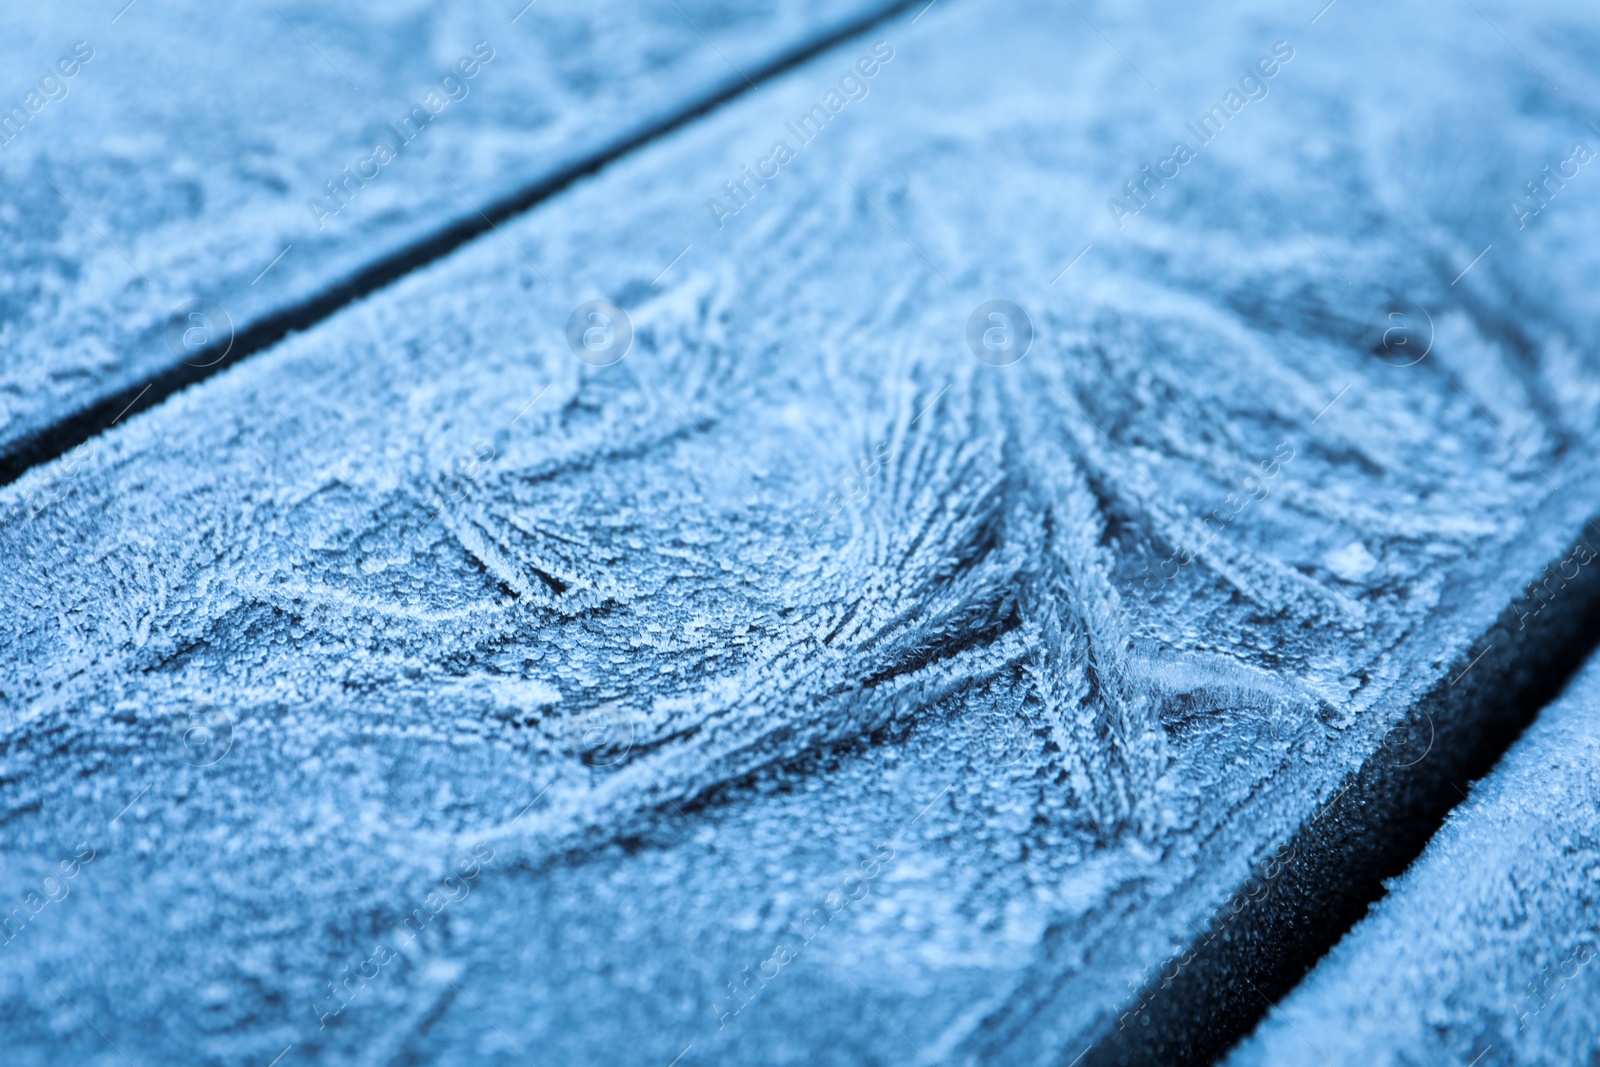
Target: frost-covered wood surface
<point>1483,951</point>
<point>801,688</point>
<point>175,159</point>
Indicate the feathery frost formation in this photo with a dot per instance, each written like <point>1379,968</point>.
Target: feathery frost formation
<point>798,582</point>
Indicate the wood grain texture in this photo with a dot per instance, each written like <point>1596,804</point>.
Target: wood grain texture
<point>246,165</point>
<point>958,772</point>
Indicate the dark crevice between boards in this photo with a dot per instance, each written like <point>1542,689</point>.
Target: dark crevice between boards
<point>1334,866</point>
<point>50,442</point>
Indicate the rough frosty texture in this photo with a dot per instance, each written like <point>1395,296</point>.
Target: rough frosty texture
<point>615,659</point>
<point>178,164</point>
<point>1484,950</point>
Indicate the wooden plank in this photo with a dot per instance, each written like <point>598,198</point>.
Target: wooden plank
<point>1482,951</point>
<point>302,154</point>
<point>805,686</point>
